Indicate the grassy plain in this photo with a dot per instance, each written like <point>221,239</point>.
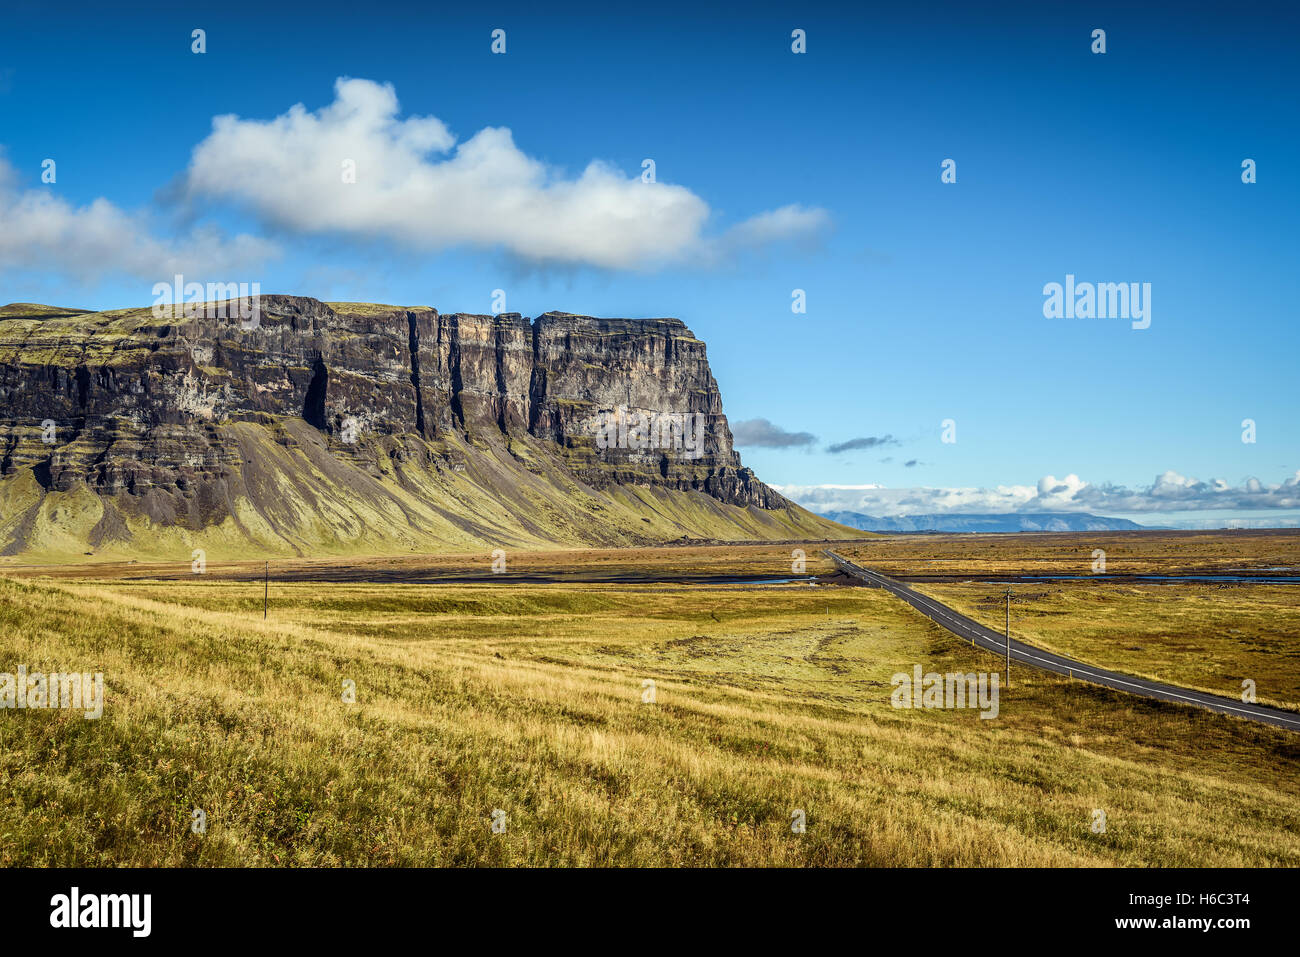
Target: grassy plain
<point>1206,636</point>
<point>528,698</point>
<point>669,562</point>
<point>1049,553</point>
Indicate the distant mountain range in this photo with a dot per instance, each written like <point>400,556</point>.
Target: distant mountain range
<point>989,522</point>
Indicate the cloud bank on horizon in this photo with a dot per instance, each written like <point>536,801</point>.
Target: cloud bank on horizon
<point>1170,492</point>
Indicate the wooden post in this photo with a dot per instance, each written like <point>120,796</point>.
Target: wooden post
<point>266,587</point>
<point>1008,595</point>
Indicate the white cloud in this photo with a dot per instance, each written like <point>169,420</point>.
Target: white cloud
<point>1056,494</point>
<point>42,231</point>
<point>1168,492</point>
<point>415,185</point>
<point>778,224</point>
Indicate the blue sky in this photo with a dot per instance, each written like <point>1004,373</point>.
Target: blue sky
<point>818,171</point>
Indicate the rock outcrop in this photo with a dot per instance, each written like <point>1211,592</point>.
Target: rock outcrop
<point>163,418</point>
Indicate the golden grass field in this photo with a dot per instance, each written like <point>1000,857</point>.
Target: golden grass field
<point>1052,553</point>
<point>528,699</point>
<point>1207,636</point>
<point>671,562</point>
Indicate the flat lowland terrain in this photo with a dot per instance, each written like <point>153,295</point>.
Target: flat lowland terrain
<point>694,560</point>
<point>528,699</point>
<point>1210,637</point>
<point>918,557</point>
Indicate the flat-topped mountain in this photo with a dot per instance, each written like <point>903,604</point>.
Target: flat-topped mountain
<point>327,427</point>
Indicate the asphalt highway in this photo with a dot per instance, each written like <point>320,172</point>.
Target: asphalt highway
<point>1032,657</point>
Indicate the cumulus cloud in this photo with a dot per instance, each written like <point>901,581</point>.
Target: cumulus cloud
<point>865,442</point>
<point>415,184</point>
<point>42,231</point>
<point>1168,492</point>
<point>760,433</point>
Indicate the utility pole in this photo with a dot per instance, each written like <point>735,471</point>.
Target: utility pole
<point>266,587</point>
<point>1008,593</point>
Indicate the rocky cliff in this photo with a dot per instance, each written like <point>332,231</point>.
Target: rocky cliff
<point>329,425</point>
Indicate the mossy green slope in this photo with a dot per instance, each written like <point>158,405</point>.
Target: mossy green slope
<point>297,493</point>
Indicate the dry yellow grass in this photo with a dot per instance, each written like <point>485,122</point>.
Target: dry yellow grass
<point>674,561</point>
<point>528,699</point>
<point>1205,636</point>
<point>1071,553</point>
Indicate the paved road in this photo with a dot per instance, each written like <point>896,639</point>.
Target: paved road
<point>1028,655</point>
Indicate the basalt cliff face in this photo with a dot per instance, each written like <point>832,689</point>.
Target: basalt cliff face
<point>345,427</point>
